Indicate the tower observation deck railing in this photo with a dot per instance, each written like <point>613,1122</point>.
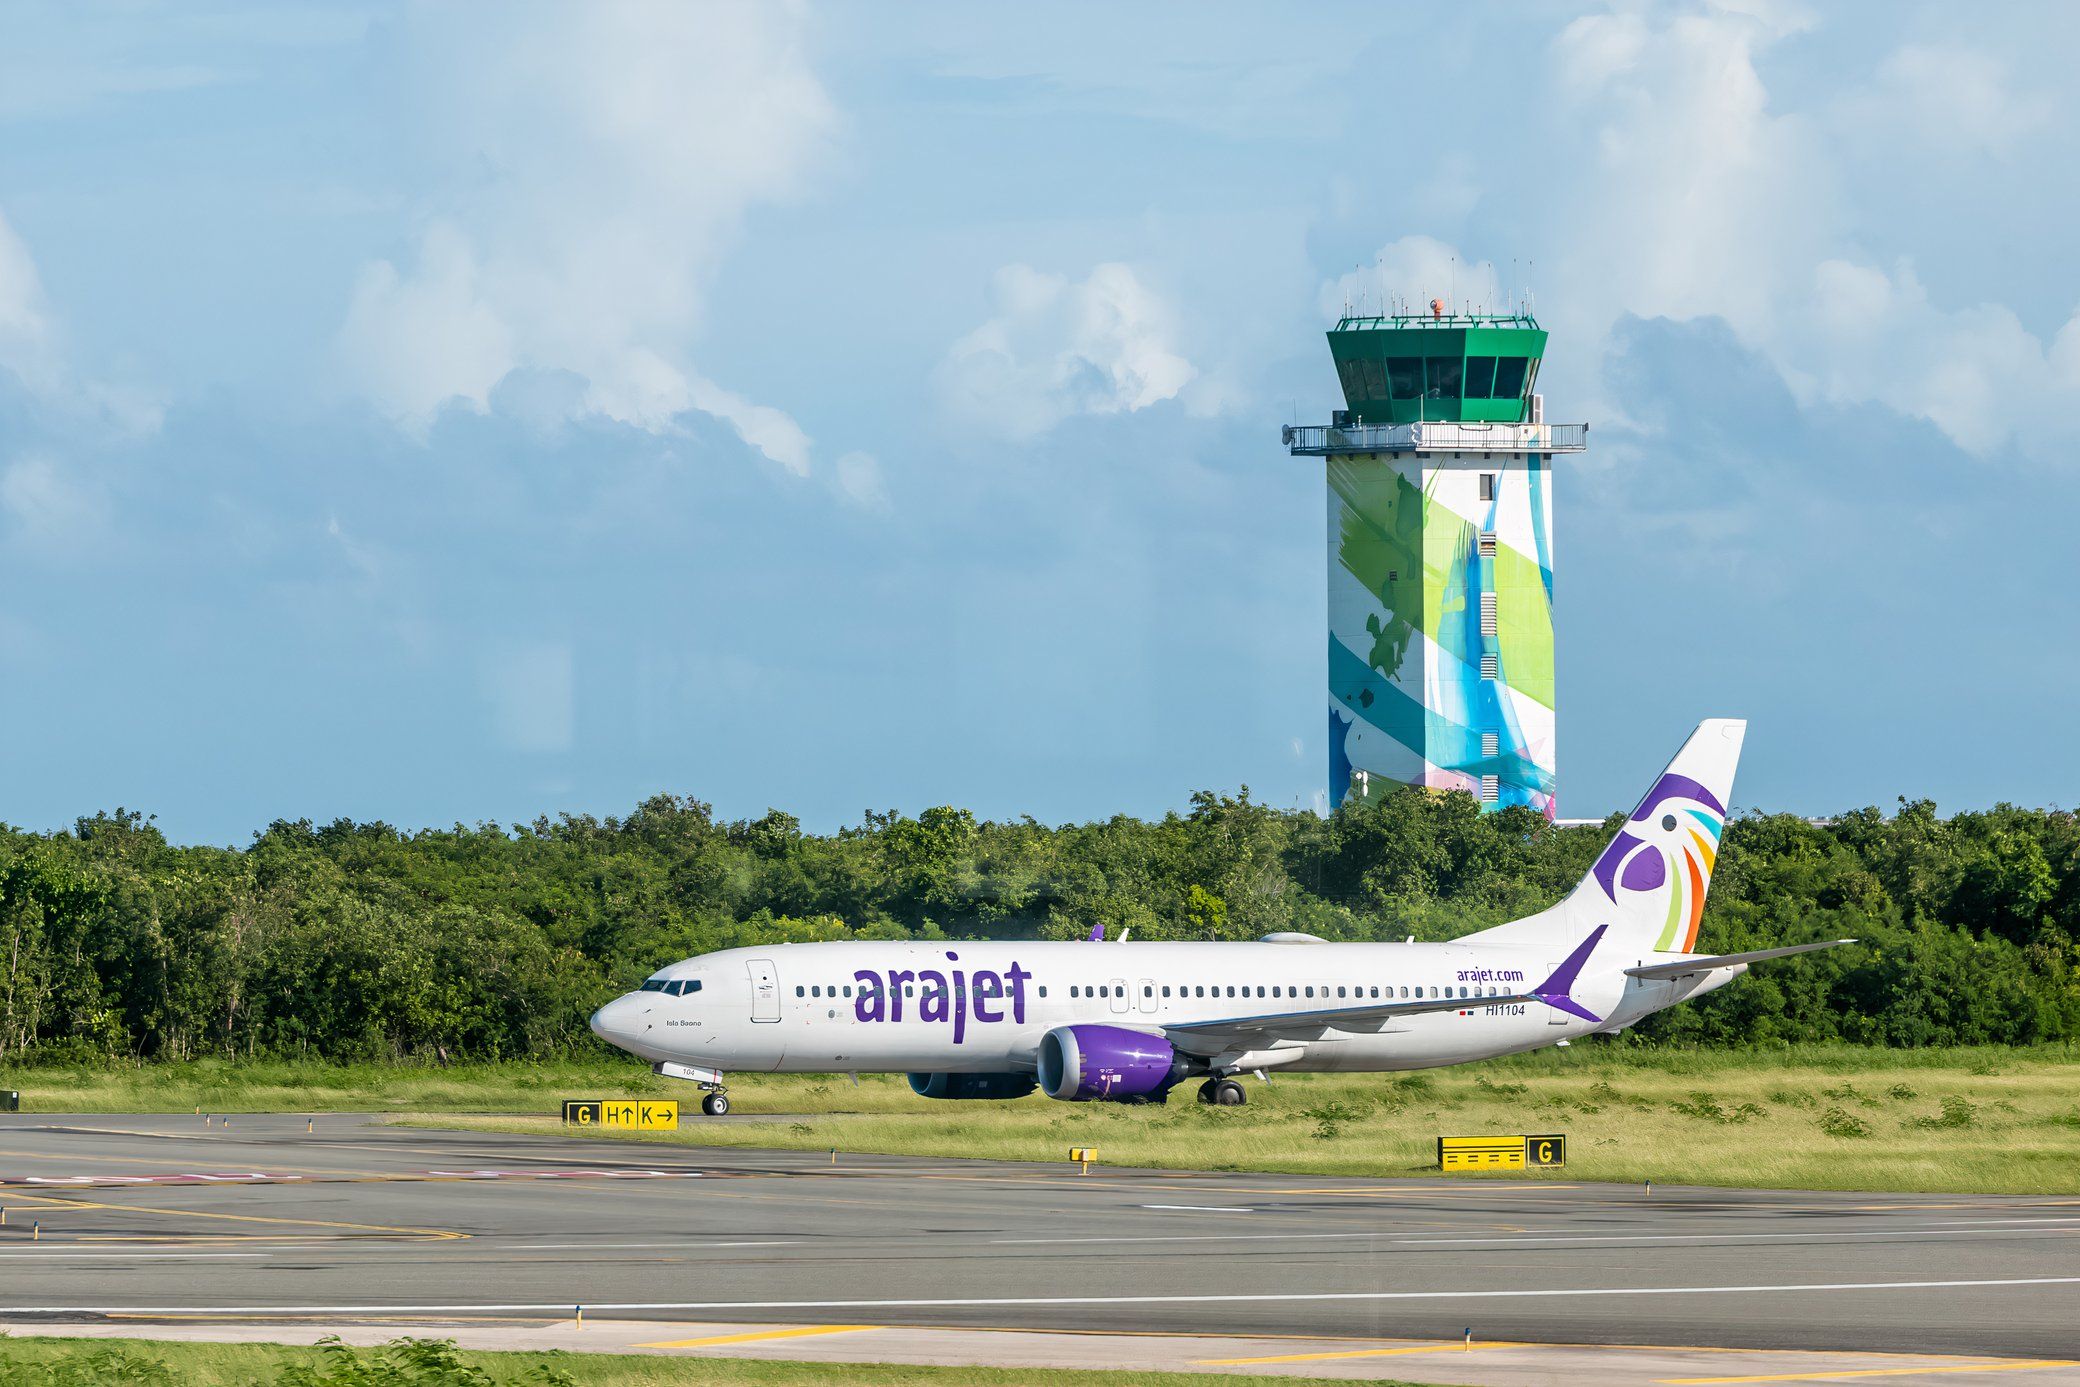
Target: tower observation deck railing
<point>1317,440</point>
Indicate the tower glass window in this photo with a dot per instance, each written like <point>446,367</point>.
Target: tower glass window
<point>1509,377</point>
<point>1480,377</point>
<point>1441,377</point>
<point>1405,376</point>
<point>1375,380</point>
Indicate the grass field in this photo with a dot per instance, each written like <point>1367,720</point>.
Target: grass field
<point>1965,1120</point>
<point>79,1363</point>
<point>1978,1121</point>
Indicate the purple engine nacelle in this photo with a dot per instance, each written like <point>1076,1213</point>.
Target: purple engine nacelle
<point>971,1085</point>
<point>1084,1064</point>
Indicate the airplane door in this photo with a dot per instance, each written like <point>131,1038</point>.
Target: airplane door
<point>1118,988</point>
<point>1147,987</point>
<point>765,990</point>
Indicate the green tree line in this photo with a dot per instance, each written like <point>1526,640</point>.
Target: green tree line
<point>356,941</point>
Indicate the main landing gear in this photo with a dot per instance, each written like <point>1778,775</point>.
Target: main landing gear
<point>1223,1093</point>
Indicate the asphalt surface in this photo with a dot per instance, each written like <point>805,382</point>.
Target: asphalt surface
<point>163,1216</point>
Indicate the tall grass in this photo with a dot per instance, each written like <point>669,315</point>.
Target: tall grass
<point>57,1362</point>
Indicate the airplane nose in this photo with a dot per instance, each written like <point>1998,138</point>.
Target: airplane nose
<point>617,1022</point>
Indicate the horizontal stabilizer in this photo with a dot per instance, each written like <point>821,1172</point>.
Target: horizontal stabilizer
<point>1684,966</point>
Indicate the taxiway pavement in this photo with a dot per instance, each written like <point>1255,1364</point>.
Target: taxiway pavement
<point>162,1217</point>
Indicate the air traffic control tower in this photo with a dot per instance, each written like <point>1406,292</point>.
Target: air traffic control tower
<point>1440,490</point>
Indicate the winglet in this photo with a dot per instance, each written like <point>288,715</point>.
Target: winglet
<point>1554,990</point>
<point>1097,933</point>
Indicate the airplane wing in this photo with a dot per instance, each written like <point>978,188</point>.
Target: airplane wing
<point>1254,1030</point>
<point>1704,964</point>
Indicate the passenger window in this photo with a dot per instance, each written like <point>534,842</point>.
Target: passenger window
<point>1260,991</point>
<point>1166,989</point>
<point>1339,992</point>
<point>798,991</point>
<point>1043,989</point>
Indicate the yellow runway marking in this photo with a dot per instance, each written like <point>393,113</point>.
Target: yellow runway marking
<point>49,1204</point>
<point>758,1336</point>
<point>2029,1365</point>
<point>1354,1353</point>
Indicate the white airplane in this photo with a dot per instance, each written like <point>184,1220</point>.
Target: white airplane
<point>1128,1022</point>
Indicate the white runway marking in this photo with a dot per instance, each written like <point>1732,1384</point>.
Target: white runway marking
<point>682,1243</point>
<point>1201,1208</point>
<point>1189,1238</point>
<point>1973,1229</point>
<point>984,1302</point>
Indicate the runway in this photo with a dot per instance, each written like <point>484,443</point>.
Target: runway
<point>163,1217</point>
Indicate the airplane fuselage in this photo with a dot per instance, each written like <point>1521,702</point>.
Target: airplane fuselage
<point>964,1007</point>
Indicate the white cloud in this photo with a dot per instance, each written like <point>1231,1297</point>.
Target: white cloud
<point>1948,100</point>
<point>24,320</point>
<point>50,506</point>
<point>427,335</point>
<point>595,167</point>
<point>1691,195</point>
<point>1054,348</point>
<point>1408,274</point>
<point>859,481</point>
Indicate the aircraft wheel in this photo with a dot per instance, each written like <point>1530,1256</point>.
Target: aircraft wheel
<point>1229,1093</point>
<point>716,1105</point>
<point>1209,1092</point>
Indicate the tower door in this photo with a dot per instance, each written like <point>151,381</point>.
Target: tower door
<point>1117,989</point>
<point>765,990</point>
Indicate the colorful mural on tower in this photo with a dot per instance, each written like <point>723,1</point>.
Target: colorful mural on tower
<point>1409,697</point>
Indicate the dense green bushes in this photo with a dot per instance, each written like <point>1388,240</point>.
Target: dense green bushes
<point>357,941</point>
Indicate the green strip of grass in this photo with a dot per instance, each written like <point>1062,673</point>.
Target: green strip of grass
<point>81,1363</point>
<point>1977,1120</point>
<point>1987,1122</point>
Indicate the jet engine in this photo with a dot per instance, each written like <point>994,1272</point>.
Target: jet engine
<point>1107,1064</point>
<point>971,1085</point>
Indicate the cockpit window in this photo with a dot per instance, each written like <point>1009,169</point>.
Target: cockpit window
<point>654,985</point>
<point>671,987</point>
<point>685,985</point>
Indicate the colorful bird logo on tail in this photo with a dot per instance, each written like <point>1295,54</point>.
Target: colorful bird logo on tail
<point>1668,845</point>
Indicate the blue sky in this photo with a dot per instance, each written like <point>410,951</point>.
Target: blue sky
<point>442,414</point>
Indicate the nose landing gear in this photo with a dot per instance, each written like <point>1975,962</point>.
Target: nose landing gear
<point>1223,1093</point>
<point>715,1097</point>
